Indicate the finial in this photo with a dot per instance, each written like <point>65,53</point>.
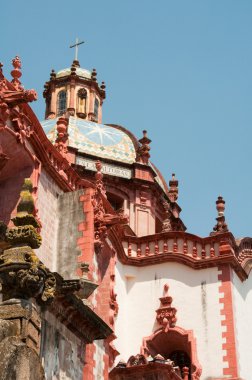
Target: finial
<point>26,207</point>
<point>62,136</point>
<point>143,154</point>
<point>221,225</point>
<point>93,75</point>
<point>75,64</point>
<point>26,224</point>
<point>185,373</point>
<point>1,66</point>
<point>16,73</point>
<point>103,86</point>
<point>52,75</point>
<point>173,190</point>
<point>84,267</point>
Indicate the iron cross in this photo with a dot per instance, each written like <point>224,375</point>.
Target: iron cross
<point>77,43</point>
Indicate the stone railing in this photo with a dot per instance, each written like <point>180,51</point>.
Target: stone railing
<point>175,243</point>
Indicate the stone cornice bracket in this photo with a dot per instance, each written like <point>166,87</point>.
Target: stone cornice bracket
<point>21,273</point>
<point>173,189</point>
<point>143,153</point>
<point>166,314</point>
<point>61,142</point>
<point>221,225</point>
<point>103,218</point>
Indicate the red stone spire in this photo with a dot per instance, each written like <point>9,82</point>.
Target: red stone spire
<point>16,73</point>
<point>221,225</point>
<point>143,153</point>
<point>173,190</point>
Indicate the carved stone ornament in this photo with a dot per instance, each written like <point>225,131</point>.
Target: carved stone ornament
<point>102,219</point>
<point>82,93</point>
<point>173,189</point>
<point>167,225</point>
<point>62,136</point>
<point>143,153</point>
<point>136,360</point>
<point>10,98</point>
<point>166,314</point>
<point>21,273</point>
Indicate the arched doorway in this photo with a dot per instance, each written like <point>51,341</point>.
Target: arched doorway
<point>176,344</point>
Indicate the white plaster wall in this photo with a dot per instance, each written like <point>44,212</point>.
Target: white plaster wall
<point>242,297</point>
<point>47,204</point>
<point>195,296</point>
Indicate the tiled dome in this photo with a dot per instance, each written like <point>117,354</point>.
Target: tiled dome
<point>79,71</point>
<point>98,140</point>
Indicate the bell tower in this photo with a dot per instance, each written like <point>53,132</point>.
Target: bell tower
<point>74,91</point>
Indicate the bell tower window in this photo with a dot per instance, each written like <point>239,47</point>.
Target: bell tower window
<point>61,103</point>
<point>96,108</point>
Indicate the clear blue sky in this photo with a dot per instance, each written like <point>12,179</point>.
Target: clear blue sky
<point>180,69</point>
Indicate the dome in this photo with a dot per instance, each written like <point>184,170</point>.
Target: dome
<point>98,140</point>
<point>79,71</point>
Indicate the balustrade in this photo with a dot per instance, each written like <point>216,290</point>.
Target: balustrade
<point>170,245</point>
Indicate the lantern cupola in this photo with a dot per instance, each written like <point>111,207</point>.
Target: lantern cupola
<point>74,91</point>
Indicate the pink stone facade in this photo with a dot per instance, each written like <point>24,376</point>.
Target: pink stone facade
<point>125,225</point>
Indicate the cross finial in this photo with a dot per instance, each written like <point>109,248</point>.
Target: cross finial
<point>77,43</point>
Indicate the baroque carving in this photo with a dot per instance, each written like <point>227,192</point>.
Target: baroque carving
<point>166,314</point>
<point>62,136</point>
<point>10,99</point>
<point>166,225</point>
<point>102,219</point>
<point>143,153</point>
<point>21,273</point>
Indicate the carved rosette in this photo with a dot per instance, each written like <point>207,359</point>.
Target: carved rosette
<point>166,314</point>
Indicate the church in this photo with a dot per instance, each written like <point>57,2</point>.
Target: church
<point>99,278</point>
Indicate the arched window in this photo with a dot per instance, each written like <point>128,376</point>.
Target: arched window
<point>96,108</point>
<point>61,103</point>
